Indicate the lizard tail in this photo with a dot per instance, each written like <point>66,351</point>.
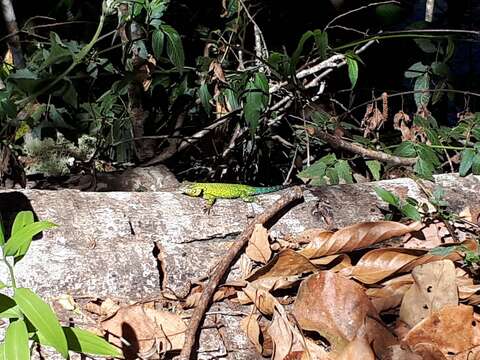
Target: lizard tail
<point>269,189</point>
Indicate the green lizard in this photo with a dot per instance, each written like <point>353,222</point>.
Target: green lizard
<point>213,191</point>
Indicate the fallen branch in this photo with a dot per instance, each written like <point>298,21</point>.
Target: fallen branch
<point>292,195</point>
<point>337,142</point>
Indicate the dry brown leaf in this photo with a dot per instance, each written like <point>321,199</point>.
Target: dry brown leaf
<point>356,237</point>
<point>429,352</point>
<point>217,71</point>
<point>372,120</point>
<point>434,287</point>
<point>471,214</point>
<point>310,235</point>
<point>287,338</point>
<point>327,260</point>
<point>251,327</point>
<point>391,292</point>
<point>104,308</point>
<point>258,248</point>
<point>379,337</point>
<point>146,329</point>
<point>261,298</point>
<point>334,307</point>
<point>222,292</point>
<point>432,235</point>
<point>359,348</point>
<point>285,269</point>
<point>397,353</point>
<point>378,264</point>
<point>450,330</point>
<point>466,287</point>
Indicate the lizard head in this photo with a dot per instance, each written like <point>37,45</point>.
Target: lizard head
<point>191,190</point>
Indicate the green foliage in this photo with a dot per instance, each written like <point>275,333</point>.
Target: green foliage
<point>256,99</point>
<point>352,65</point>
<point>327,170</point>
<point>407,207</point>
<point>30,317</point>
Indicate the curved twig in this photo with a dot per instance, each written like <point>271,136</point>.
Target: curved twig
<point>294,194</point>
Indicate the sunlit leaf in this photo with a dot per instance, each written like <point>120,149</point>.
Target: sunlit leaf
<point>42,317</point>
<point>16,341</point>
<point>22,237</point>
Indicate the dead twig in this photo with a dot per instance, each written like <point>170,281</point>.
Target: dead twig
<point>292,195</point>
<point>337,142</point>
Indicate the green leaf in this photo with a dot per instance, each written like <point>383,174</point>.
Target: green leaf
<point>22,219</point>
<point>69,94</point>
<point>205,97</point>
<point>426,45</point>
<point>84,342</point>
<point>16,341</point>
<point>450,49</point>
<point>22,238</point>
<point>2,232</point>
<point>406,149</point>
<point>315,173</point>
<point>476,164</point>
<point>428,154</point>
<point>374,166</point>
<point>421,84</point>
<point>332,174</point>
<point>344,171</point>
<point>416,70</point>
<point>411,212</point>
<point>298,51</point>
<point>329,159</point>
<point>466,162</point>
<point>59,53</point>
<point>443,250</point>
<point>231,99</point>
<point>440,69</point>
<point>158,39</point>
<point>321,41</point>
<point>256,99</point>
<point>352,65</point>
<point>174,47</point>
<point>42,317</point>
<point>387,196</point>
<point>2,352</point>
<point>424,168</point>
<point>9,308</point>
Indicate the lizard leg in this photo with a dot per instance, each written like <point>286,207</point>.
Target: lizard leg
<point>210,200</point>
<point>248,198</point>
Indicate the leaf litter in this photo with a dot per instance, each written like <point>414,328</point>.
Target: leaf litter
<point>333,295</point>
<point>341,295</point>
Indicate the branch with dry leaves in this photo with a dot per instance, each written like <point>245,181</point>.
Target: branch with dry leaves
<point>339,143</point>
<point>294,194</point>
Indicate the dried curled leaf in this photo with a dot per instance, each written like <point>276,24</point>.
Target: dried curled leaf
<point>391,292</point>
<point>285,269</point>
<point>434,286</point>
<point>258,248</point>
<point>356,237</point>
<point>452,330</point>
<point>378,264</point>
<point>334,307</point>
<point>146,327</point>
